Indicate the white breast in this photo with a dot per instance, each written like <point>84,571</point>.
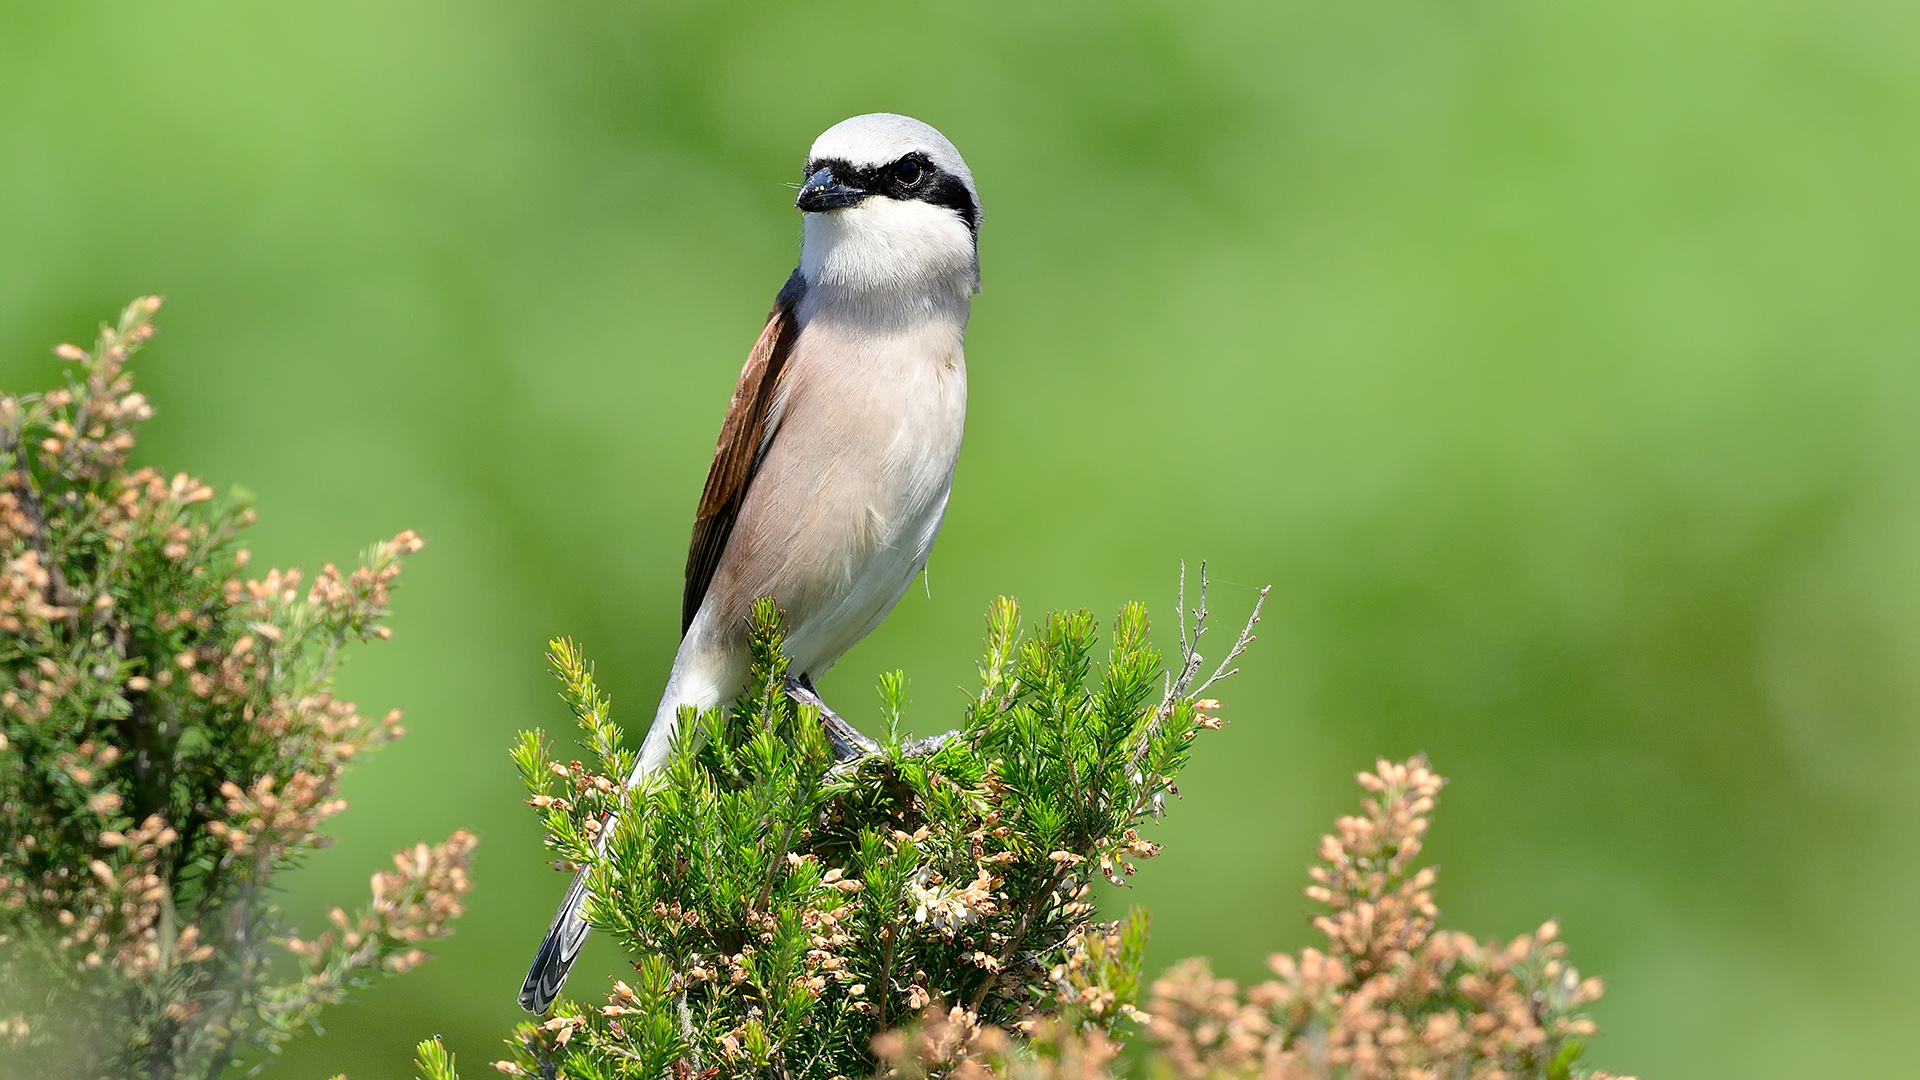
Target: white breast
<point>885,468</point>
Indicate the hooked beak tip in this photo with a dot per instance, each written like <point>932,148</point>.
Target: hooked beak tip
<point>822,193</point>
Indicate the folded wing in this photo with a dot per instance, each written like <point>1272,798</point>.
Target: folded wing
<point>752,419</point>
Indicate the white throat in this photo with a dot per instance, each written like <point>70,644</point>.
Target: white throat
<point>889,254</point>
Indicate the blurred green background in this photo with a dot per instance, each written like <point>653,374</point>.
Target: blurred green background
<point>1557,363</point>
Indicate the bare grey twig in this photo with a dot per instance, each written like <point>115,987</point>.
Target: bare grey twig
<point>1239,645</point>
<point>1180,687</point>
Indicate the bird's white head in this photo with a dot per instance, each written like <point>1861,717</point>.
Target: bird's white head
<point>889,207</point>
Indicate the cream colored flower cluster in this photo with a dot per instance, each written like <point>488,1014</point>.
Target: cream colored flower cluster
<point>1391,997</point>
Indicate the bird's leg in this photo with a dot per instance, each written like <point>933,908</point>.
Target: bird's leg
<point>848,744</point>
<point>928,746</point>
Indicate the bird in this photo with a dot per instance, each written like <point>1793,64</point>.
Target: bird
<point>836,458</point>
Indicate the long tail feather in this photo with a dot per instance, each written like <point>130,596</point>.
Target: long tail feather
<point>566,936</point>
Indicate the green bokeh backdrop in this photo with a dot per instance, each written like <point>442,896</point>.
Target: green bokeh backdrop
<point>1559,363</point>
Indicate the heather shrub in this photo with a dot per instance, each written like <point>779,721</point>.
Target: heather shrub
<point>1391,997</point>
<point>169,745</point>
<point>926,916</point>
<point>784,910</point>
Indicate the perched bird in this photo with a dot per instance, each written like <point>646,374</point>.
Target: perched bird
<point>837,452</point>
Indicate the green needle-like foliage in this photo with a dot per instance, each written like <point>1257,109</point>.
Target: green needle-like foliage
<point>434,1061</point>
<point>785,910</point>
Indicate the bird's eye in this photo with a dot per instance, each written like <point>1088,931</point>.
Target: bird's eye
<point>908,171</point>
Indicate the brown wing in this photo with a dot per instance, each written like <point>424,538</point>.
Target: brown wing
<point>743,441</point>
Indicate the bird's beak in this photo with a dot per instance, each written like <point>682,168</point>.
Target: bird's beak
<point>822,192</point>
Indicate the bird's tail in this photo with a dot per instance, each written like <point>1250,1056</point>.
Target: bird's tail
<point>565,938</point>
<point>568,933</point>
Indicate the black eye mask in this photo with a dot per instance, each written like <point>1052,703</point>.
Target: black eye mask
<point>912,178</point>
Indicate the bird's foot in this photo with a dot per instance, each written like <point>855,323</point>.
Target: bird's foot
<point>930,745</point>
<point>847,742</point>
<point>848,745</point>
